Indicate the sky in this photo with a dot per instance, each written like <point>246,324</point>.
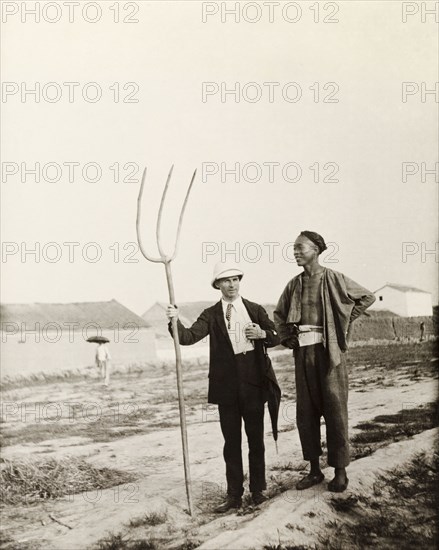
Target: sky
<point>343,142</point>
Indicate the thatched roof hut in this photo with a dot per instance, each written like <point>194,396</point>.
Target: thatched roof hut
<point>79,314</point>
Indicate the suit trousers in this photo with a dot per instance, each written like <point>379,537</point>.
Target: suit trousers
<point>248,406</point>
<point>322,392</point>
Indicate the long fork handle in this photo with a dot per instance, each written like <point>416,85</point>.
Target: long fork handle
<point>181,406</point>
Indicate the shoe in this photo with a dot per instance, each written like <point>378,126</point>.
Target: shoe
<point>229,504</point>
<point>336,487</point>
<point>309,480</point>
<point>258,498</point>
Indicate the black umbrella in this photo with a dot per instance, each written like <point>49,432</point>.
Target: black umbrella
<point>274,395</point>
<point>98,339</point>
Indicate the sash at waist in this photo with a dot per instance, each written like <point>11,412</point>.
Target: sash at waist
<point>310,328</point>
<point>310,335</point>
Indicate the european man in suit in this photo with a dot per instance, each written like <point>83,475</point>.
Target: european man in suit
<point>238,330</point>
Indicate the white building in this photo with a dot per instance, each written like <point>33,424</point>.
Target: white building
<point>406,301</point>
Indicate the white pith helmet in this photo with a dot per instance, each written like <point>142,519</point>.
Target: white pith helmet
<point>223,270</point>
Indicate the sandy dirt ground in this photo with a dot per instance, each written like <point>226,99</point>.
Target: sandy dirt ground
<point>149,448</point>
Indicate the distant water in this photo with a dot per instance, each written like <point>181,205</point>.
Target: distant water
<point>50,352</point>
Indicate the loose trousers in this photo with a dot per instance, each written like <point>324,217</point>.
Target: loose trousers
<point>321,392</point>
<point>248,406</point>
<point>104,366</point>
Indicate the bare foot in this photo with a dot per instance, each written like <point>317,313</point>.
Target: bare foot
<point>340,481</point>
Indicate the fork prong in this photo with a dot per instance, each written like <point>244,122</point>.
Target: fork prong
<point>139,214</point>
<point>159,217</point>
<point>180,221</point>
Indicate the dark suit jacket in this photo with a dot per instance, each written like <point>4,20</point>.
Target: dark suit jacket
<point>223,378</point>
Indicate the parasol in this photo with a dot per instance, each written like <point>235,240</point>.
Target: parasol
<point>98,340</point>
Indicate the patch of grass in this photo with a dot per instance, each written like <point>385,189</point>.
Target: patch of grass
<point>188,545</point>
<point>26,481</point>
<point>212,495</point>
<point>366,426</point>
<point>111,542</point>
<point>165,424</point>
<point>419,477</point>
<point>385,428</point>
<point>149,519</point>
<point>118,541</point>
<point>381,434</point>
<point>41,379</point>
<point>123,541</point>
<point>8,543</point>
<point>277,485</point>
<point>284,467</point>
<point>102,429</point>
<point>360,451</point>
<point>393,354</point>
<point>331,524</point>
<point>167,396</point>
<point>344,505</point>
<point>402,512</point>
<point>34,433</point>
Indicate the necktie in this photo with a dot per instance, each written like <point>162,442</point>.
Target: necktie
<point>229,315</point>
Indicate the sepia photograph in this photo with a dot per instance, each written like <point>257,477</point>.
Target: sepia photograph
<point>219,275</point>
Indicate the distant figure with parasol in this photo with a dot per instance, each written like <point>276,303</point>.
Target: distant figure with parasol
<point>103,356</point>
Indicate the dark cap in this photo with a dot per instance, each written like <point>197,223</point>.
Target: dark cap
<point>317,239</point>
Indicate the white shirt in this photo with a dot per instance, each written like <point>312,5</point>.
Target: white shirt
<point>239,319</point>
<point>102,353</point>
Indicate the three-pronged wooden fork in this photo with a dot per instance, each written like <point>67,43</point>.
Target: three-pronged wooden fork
<point>166,260</point>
